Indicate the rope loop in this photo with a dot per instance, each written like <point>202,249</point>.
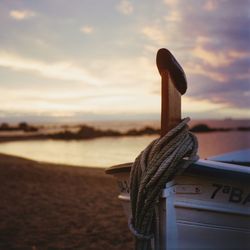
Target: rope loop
<point>138,235</point>
<point>162,160</point>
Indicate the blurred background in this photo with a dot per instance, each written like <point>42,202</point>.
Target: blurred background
<point>68,64</point>
<point>79,87</point>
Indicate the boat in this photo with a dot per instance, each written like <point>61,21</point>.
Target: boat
<point>208,206</point>
<point>205,207</point>
<point>238,157</point>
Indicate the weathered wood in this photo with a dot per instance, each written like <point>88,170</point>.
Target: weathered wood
<point>170,103</point>
<point>174,84</point>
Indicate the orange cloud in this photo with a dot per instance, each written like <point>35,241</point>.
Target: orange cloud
<point>87,29</point>
<point>22,14</point>
<point>210,5</point>
<point>125,7</point>
<point>154,34</point>
<point>57,70</point>
<point>197,69</point>
<point>218,58</point>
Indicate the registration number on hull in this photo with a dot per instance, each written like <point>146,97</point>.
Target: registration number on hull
<point>234,194</point>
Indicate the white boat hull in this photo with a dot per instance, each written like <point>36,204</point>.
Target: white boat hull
<point>207,207</point>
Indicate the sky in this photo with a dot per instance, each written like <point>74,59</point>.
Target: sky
<point>82,60</point>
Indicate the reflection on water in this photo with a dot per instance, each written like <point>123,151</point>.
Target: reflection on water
<point>105,152</point>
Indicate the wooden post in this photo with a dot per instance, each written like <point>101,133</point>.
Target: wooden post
<point>173,86</point>
<point>170,103</point>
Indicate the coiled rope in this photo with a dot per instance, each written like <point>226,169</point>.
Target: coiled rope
<point>162,159</point>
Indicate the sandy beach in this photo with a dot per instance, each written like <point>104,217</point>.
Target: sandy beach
<point>49,206</point>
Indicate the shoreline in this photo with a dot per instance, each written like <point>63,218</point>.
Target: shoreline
<point>84,132</point>
<point>59,206</point>
<point>46,137</point>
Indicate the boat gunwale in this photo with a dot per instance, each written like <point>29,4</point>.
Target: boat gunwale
<point>201,167</point>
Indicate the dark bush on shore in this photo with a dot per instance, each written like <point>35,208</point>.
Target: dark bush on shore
<point>65,135</point>
<point>26,127</point>
<point>5,127</point>
<point>22,126</point>
<point>201,128</point>
<point>85,132</point>
<point>243,128</point>
<point>88,132</point>
<point>144,131</point>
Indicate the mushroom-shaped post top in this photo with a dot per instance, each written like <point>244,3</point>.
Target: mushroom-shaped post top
<point>166,61</point>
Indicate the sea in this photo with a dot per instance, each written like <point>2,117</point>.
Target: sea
<point>109,151</point>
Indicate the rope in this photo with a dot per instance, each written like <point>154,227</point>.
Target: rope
<point>162,159</point>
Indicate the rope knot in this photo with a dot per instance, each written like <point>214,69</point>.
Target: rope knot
<point>158,163</point>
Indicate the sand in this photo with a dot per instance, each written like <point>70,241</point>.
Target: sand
<point>49,206</point>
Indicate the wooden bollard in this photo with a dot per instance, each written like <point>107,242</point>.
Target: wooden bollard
<point>173,85</point>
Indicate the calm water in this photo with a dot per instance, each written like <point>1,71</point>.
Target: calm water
<point>105,152</point>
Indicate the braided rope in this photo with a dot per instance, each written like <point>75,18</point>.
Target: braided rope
<point>162,159</point>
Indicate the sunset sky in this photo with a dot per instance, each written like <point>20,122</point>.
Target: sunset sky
<point>92,60</point>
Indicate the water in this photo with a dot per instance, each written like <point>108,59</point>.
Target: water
<point>126,125</point>
<point>105,152</point>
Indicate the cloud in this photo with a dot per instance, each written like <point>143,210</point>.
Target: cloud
<point>233,92</point>
<point>193,105</point>
<point>125,7</point>
<point>173,16</point>
<point>56,70</point>
<point>22,14</point>
<point>199,69</point>
<point>210,38</point>
<point>210,5</point>
<point>87,29</point>
<point>216,57</point>
<point>171,2</point>
<point>154,34</point>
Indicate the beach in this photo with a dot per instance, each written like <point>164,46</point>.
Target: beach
<point>52,206</point>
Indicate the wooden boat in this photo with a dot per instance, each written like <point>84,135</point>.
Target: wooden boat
<point>206,207</point>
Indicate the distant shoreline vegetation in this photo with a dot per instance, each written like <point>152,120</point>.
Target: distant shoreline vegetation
<point>85,132</point>
<point>22,126</point>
